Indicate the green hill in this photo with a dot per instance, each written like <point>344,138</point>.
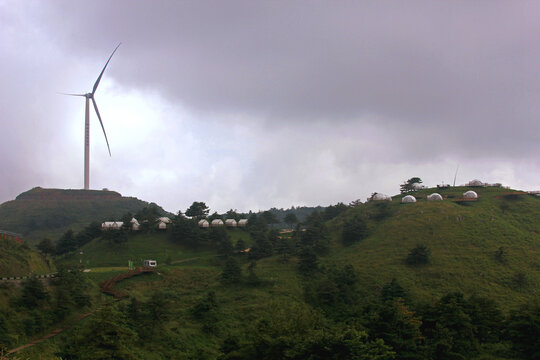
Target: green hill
<point>465,302</point>
<point>463,236</point>
<point>40,213</point>
<point>19,260</point>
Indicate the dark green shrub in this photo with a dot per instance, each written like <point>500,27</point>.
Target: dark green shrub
<point>419,255</point>
<point>354,229</point>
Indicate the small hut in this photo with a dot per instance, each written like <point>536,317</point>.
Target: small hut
<point>230,223</point>
<point>242,222</point>
<point>408,199</point>
<point>216,223</point>
<point>135,226</point>
<point>434,197</point>
<point>162,226</point>
<point>470,195</point>
<point>165,219</point>
<point>204,223</point>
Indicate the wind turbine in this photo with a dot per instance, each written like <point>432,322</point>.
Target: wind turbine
<point>90,96</point>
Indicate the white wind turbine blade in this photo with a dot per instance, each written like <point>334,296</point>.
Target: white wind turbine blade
<point>61,93</point>
<point>101,122</point>
<point>102,71</point>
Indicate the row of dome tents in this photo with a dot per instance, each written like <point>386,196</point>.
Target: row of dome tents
<point>161,224</point>
<point>218,222</point>
<point>411,199</point>
<point>469,195</point>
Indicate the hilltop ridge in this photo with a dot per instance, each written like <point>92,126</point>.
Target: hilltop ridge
<point>39,212</point>
<point>39,193</point>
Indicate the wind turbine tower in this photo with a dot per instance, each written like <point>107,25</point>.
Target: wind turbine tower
<point>90,96</point>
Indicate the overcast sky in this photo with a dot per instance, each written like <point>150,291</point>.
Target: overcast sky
<point>256,104</point>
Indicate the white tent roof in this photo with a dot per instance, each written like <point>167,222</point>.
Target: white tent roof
<point>434,197</point>
<point>112,224</point>
<point>476,182</point>
<point>164,219</point>
<point>217,222</point>
<point>470,195</point>
<point>408,199</point>
<point>381,197</point>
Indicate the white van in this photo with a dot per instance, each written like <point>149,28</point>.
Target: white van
<point>150,263</point>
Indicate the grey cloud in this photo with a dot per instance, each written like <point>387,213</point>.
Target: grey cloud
<point>453,64</point>
<point>313,96</point>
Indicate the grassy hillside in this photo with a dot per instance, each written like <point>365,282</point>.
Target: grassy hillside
<point>40,213</point>
<point>20,260</point>
<point>463,238</point>
<point>155,246</point>
<point>187,310</point>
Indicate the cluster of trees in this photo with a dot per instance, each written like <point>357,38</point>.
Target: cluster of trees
<point>70,241</point>
<point>35,307</point>
<point>408,185</point>
<point>273,217</point>
<point>454,327</point>
<point>119,332</point>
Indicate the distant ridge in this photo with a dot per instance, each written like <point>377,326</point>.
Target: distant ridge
<point>47,213</point>
<point>39,193</point>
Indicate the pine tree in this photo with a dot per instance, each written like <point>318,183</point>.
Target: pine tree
<point>354,229</point>
<point>232,273</point>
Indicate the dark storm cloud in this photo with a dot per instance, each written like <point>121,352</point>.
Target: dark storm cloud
<point>458,65</point>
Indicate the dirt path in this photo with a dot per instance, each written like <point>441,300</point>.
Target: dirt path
<point>185,260</point>
<point>51,334</point>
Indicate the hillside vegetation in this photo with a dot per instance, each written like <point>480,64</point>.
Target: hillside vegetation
<point>465,239</point>
<point>140,246</point>
<point>40,213</point>
<point>20,260</point>
<point>342,288</point>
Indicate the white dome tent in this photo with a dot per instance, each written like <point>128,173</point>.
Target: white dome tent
<point>476,182</point>
<point>434,197</point>
<point>470,195</point>
<point>381,197</point>
<point>408,199</point>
